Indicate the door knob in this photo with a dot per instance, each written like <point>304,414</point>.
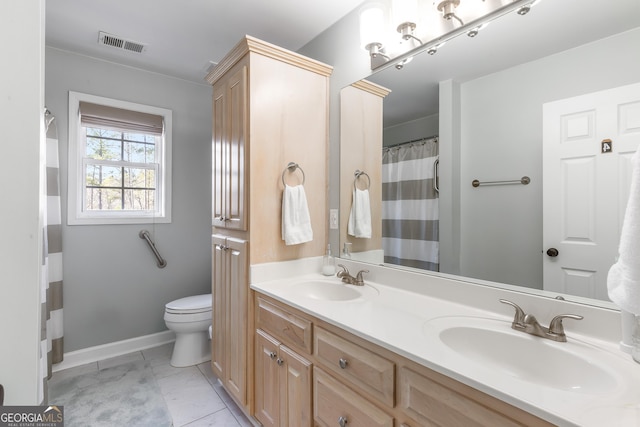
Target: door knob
<point>552,252</point>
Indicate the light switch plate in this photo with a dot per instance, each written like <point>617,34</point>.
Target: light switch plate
<point>333,219</point>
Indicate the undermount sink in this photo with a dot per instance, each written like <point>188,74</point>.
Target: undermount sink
<point>490,344</point>
<point>333,290</point>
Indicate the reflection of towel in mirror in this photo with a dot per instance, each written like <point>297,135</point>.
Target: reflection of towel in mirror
<point>296,222</point>
<point>360,217</point>
<point>623,281</point>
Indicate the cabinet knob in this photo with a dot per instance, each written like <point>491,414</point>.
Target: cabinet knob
<point>279,361</point>
<point>343,363</point>
<point>222,218</point>
<point>342,421</point>
<point>272,355</point>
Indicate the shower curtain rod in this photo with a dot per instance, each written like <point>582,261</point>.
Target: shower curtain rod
<point>424,139</point>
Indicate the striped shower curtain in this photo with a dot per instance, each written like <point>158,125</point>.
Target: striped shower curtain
<point>51,281</point>
<point>410,205</point>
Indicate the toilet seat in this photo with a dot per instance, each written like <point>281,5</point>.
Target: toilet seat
<point>190,305</point>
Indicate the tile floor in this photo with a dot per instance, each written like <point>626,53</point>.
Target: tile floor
<point>193,395</point>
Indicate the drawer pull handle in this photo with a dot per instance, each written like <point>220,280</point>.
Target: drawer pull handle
<point>342,421</point>
<point>279,362</point>
<point>272,355</point>
<point>343,364</point>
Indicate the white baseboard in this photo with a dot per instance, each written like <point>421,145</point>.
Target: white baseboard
<point>118,348</point>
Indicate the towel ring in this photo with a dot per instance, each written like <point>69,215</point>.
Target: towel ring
<point>358,173</point>
<point>291,167</point>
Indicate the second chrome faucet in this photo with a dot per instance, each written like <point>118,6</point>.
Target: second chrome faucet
<point>348,278</point>
<point>529,324</point>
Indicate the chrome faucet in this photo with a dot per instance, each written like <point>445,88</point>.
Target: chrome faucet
<point>529,324</point>
<point>348,278</point>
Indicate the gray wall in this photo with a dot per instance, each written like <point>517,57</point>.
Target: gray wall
<point>112,287</point>
<point>501,138</point>
<point>411,130</point>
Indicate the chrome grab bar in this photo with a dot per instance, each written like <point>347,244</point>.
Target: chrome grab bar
<point>144,234</point>
<point>436,170</point>
<point>525,180</point>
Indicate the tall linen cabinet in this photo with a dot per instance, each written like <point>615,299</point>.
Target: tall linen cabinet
<point>270,107</point>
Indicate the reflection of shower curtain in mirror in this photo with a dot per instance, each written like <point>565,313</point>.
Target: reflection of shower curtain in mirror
<point>410,205</point>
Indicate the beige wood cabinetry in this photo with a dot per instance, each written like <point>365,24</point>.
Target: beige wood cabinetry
<point>361,367</point>
<point>282,375</point>
<point>361,111</point>
<point>229,198</point>
<point>358,383</point>
<point>270,107</point>
<point>230,314</point>
<point>283,384</point>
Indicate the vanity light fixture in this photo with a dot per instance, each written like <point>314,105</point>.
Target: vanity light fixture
<point>475,30</point>
<point>404,62</point>
<point>448,9</point>
<point>523,10</point>
<point>404,14</point>
<point>374,33</point>
<point>371,21</point>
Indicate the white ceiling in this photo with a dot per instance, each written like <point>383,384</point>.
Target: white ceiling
<point>184,35</point>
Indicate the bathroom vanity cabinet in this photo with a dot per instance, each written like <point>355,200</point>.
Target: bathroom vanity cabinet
<point>358,383</point>
<point>270,108</point>
<point>230,313</point>
<point>229,198</point>
<point>282,368</point>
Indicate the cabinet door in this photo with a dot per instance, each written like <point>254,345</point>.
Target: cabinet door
<point>219,142</point>
<point>235,271</point>
<point>295,389</point>
<point>229,143</point>
<point>219,315</point>
<point>267,383</point>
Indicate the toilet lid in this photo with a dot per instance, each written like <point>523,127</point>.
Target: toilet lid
<point>194,304</point>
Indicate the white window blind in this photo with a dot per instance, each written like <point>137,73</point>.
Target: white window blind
<point>120,119</point>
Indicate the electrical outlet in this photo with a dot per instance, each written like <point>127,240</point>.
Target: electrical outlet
<point>333,219</point>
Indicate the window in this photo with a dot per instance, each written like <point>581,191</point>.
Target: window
<point>119,162</point>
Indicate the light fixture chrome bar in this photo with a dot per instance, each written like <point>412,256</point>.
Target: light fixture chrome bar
<point>432,46</point>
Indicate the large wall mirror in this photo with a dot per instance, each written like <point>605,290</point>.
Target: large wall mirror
<point>483,98</point>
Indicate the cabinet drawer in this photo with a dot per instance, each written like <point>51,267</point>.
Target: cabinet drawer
<point>433,403</point>
<point>364,369</point>
<point>289,328</point>
<point>333,401</point>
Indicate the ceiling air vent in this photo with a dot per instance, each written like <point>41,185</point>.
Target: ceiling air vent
<point>106,39</point>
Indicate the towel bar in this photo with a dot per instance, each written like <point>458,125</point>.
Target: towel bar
<point>291,167</point>
<point>524,181</point>
<point>357,174</point>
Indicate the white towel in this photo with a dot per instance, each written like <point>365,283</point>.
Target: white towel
<point>359,224</point>
<point>623,281</point>
<point>296,222</point>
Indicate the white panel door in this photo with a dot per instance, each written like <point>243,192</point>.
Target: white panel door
<point>588,142</point>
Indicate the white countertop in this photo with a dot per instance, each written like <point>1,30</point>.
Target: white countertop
<point>398,317</point>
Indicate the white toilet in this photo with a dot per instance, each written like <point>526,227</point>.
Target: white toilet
<point>190,319</point>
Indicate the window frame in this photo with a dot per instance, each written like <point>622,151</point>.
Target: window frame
<point>76,213</point>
